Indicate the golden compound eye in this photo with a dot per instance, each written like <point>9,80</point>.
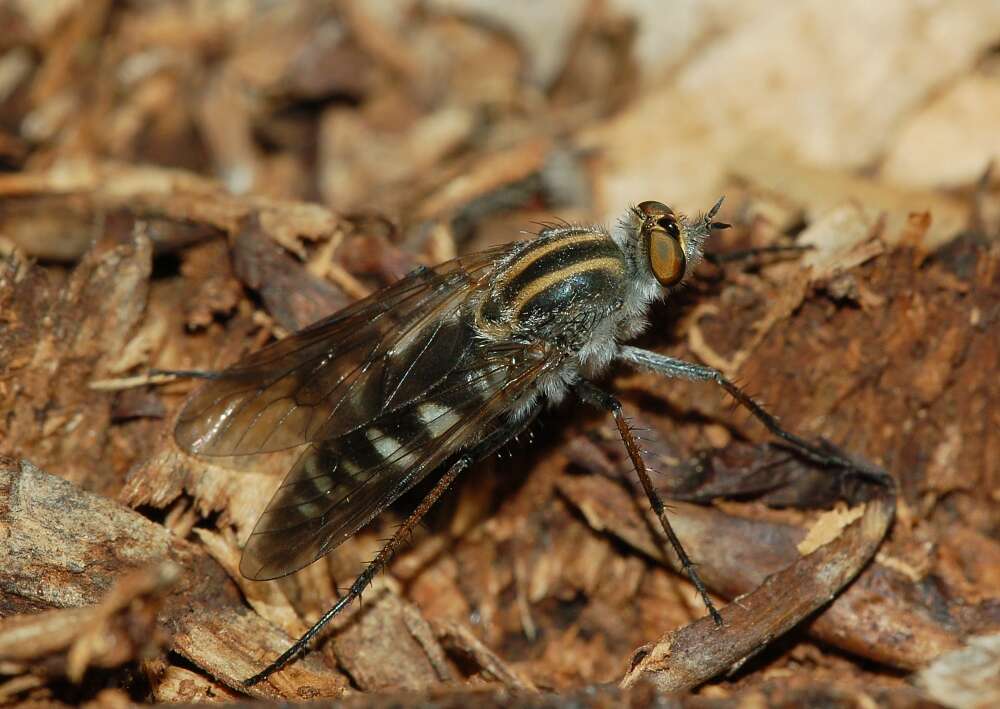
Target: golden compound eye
<point>662,236</point>
<point>653,211</point>
<point>666,256</point>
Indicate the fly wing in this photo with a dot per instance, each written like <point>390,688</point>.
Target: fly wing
<point>339,373</point>
<point>339,485</point>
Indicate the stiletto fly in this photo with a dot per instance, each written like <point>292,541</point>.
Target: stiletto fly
<point>441,369</point>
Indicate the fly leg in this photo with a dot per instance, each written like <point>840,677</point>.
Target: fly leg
<point>598,397</point>
<point>489,444</point>
<point>717,259</point>
<point>185,373</point>
<point>679,369</point>
<point>369,572</point>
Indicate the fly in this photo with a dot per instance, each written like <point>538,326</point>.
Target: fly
<point>441,369</point>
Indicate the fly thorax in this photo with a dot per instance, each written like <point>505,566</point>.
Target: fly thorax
<point>557,288</point>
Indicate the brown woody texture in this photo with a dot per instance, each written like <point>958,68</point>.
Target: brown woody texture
<point>181,182</point>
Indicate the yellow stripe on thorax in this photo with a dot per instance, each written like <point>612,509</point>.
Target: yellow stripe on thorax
<point>540,284</point>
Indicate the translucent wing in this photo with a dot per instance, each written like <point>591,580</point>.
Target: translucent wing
<point>340,484</point>
<point>383,392</point>
<point>339,373</point>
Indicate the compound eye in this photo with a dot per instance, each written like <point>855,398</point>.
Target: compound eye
<point>666,257</point>
<point>669,225</point>
<point>653,211</point>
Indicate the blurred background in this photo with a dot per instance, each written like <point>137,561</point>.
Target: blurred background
<point>483,116</point>
<point>181,182</point>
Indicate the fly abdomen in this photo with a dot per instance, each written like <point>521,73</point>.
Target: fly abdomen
<point>333,470</point>
<point>574,271</point>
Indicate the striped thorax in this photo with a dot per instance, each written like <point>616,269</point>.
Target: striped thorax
<point>565,272</point>
<point>583,288</point>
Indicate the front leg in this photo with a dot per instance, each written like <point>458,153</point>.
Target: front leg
<point>603,400</point>
<point>679,369</point>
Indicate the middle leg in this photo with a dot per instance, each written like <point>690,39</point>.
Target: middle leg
<point>596,396</point>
